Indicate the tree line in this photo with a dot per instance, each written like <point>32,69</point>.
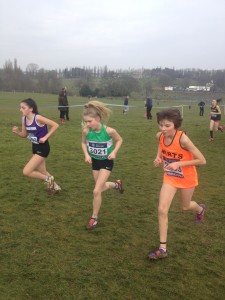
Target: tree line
<point>102,82</point>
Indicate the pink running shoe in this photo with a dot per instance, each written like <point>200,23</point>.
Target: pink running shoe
<point>92,223</point>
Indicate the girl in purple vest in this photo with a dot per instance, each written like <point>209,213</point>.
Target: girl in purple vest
<point>34,127</point>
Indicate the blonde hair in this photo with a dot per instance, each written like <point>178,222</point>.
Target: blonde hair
<point>96,108</point>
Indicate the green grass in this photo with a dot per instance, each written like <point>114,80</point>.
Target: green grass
<point>46,252</point>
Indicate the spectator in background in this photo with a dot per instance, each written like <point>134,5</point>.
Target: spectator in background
<point>62,105</point>
<point>126,105</point>
<point>148,105</point>
<point>202,108</point>
<point>67,104</point>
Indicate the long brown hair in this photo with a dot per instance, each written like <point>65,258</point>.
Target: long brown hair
<point>96,108</point>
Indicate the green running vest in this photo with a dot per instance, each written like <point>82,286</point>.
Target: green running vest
<point>99,144</point>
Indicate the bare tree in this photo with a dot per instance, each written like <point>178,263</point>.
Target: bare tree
<point>32,69</point>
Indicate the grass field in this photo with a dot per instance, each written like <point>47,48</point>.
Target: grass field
<point>46,252</point>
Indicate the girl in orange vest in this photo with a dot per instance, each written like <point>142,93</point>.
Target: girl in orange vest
<point>179,157</point>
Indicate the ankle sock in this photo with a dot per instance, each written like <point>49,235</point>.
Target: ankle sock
<point>163,249</point>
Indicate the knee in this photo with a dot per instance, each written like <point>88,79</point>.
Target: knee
<point>25,172</point>
<point>162,211</point>
<point>184,207</point>
<point>96,192</point>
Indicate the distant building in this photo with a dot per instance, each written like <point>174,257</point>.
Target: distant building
<point>191,88</point>
<point>174,88</point>
<point>197,88</point>
<point>168,88</point>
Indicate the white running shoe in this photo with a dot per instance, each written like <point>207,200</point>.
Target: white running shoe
<point>51,182</point>
<point>56,188</point>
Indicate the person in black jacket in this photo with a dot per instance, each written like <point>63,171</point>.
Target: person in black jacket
<point>126,105</point>
<point>67,103</point>
<point>62,105</point>
<point>148,105</point>
<point>202,108</point>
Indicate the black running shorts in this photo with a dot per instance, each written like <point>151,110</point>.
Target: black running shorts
<point>41,149</point>
<point>98,164</point>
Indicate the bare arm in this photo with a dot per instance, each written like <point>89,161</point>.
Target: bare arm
<point>219,111</point>
<point>54,126</point>
<point>158,159</point>
<point>118,142</point>
<point>23,133</point>
<point>87,157</point>
<point>198,158</point>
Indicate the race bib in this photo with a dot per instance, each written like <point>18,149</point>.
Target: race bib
<point>98,149</point>
<point>32,138</point>
<point>176,173</point>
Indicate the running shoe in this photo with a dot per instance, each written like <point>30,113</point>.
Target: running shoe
<point>51,182</point>
<point>119,186</point>
<point>211,139</point>
<point>200,216</point>
<point>56,188</point>
<point>92,223</point>
<point>220,128</point>
<point>158,254</point>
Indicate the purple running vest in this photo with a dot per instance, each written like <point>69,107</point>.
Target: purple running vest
<point>35,131</point>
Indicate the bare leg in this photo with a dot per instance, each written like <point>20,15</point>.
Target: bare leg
<point>165,199</point>
<point>216,125</point>
<point>101,185</point>
<point>35,168</point>
<point>42,169</point>
<point>186,202</point>
<point>211,125</point>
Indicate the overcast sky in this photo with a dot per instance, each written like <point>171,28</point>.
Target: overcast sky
<point>122,34</point>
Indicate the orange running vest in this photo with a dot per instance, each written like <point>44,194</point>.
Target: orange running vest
<point>183,177</point>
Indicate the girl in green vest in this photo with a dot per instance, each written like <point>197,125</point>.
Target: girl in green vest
<point>97,145</point>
